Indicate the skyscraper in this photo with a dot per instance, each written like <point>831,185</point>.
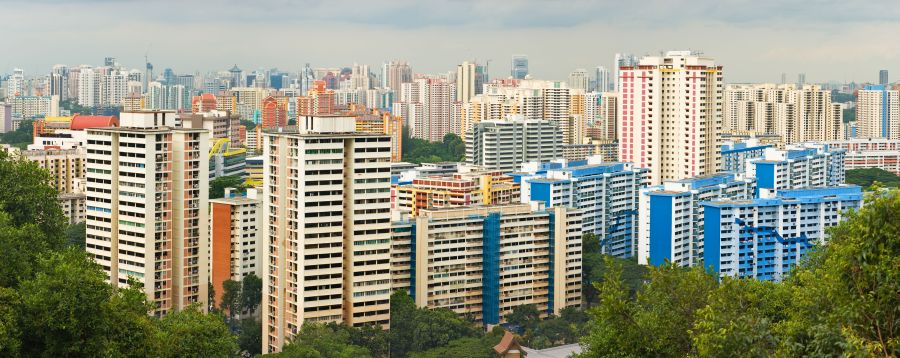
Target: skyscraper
<point>326,231</point>
<point>883,77</point>
<point>601,79</point>
<point>878,112</point>
<point>465,81</point>
<point>147,207</point>
<point>674,132</point>
<point>519,67</point>
<point>622,59</point>
<point>505,145</point>
<point>578,79</point>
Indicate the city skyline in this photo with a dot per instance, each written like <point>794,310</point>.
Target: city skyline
<point>832,41</point>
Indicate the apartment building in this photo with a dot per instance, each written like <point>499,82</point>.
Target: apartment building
<point>326,227</point>
<point>505,145</point>
<point>798,166</point>
<point>236,248</point>
<point>146,209</point>
<point>459,189</point>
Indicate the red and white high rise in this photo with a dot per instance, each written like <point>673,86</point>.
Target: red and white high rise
<point>670,115</point>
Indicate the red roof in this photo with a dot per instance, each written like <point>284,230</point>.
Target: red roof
<point>80,122</point>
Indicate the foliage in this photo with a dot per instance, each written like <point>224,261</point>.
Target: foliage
<point>231,297</point>
<point>524,316</point>
<point>655,321</point>
<point>849,115</point>
<point>191,333</point>
<point>21,137</point>
<point>251,292</point>
<point>28,198</point>
<point>217,186</point>
<point>480,347</point>
<point>248,123</point>
<point>840,97</point>
<point>68,309</point>
<point>76,235</point>
<point>316,340</point>
<point>250,337</point>
<point>846,297</point>
<point>55,301</point>
<point>416,329</point>
<point>416,150</point>
<point>866,177</point>
<point>73,107</point>
<point>594,267</point>
<point>840,301</point>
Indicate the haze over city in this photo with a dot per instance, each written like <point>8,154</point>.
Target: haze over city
<point>755,40</point>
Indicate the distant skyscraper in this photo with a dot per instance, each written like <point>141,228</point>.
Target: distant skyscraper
<point>236,80</point>
<point>465,81</point>
<point>649,134</point>
<point>622,59</point>
<point>481,77</point>
<point>883,77</point>
<point>396,73</point>
<point>801,80</point>
<point>578,79</point>
<point>783,78</point>
<point>109,61</point>
<point>601,79</point>
<point>519,67</point>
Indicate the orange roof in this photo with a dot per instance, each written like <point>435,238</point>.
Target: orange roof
<point>80,122</point>
<point>507,343</point>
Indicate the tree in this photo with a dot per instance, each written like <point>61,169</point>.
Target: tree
<point>739,319</point>
<point>28,198</point>
<point>251,292</point>
<point>10,334</point>
<point>191,333</point>
<point>21,137</point>
<point>653,323</point>
<point>68,309</point>
<point>526,317</point>
<point>76,234</point>
<point>217,186</point>
<point>594,268</point>
<point>248,124</point>
<point>867,177</point>
<point>231,297</point>
<point>844,298</point>
<point>250,338</point>
<point>417,150</point>
<point>316,340</point>
<point>416,330</point>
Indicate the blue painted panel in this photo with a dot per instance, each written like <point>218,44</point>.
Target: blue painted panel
<point>660,229</point>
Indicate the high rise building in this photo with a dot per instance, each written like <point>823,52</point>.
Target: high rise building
<point>606,193</point>
<point>396,73</point>
<point>472,188</point>
<point>579,79</point>
<point>326,231</point>
<point>801,80</point>
<point>670,111</point>
<point>883,77</point>
<point>465,81</point>
<point>519,67</point>
<point>622,60</point>
<point>236,242</point>
<point>274,112</point>
<point>602,80</point>
<point>59,82</point>
<point>378,122</point>
<point>505,145</point>
<point>798,166</point>
<point>794,113</point>
<point>425,106</point>
<point>671,216</point>
<point>736,154</point>
<point>462,259</point>
<point>359,77</point>
<point>318,101</point>
<point>147,204</point>
<point>878,112</point>
<point>15,84</point>
<point>764,238</point>
<point>202,103</point>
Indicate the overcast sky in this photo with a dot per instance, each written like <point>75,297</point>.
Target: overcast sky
<point>756,40</point>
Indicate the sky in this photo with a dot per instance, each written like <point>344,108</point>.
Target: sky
<point>755,40</point>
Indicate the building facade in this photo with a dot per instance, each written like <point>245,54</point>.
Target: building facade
<point>236,245</point>
<point>505,145</point>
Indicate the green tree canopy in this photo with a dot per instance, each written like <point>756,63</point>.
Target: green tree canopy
<point>416,150</point>
<point>217,186</point>
<point>415,329</point>
<point>251,292</point>
<point>866,177</point>
<point>21,137</point>
<point>316,340</point>
<point>191,333</point>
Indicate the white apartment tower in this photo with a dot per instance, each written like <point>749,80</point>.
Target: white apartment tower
<point>326,228</point>
<point>465,81</point>
<point>147,185</point>
<point>795,114</point>
<point>670,115</point>
<point>878,112</point>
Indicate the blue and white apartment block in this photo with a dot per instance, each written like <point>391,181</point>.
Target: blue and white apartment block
<point>804,165</point>
<point>671,216</point>
<point>736,154</point>
<point>764,238</point>
<point>606,192</point>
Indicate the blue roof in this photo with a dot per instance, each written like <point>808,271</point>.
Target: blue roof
<point>810,195</point>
